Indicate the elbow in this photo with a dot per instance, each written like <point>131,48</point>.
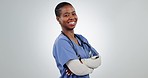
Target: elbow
<point>98,63</point>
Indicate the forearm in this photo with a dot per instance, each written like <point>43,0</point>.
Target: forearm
<point>78,68</point>
<point>92,62</point>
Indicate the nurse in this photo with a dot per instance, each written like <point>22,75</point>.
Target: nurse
<point>74,56</point>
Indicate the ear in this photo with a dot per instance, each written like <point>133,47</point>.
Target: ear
<point>58,19</point>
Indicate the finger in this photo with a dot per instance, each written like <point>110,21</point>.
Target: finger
<point>67,73</point>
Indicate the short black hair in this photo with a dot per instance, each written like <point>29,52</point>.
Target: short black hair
<point>60,5</point>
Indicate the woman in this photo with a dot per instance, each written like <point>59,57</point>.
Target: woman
<point>74,56</point>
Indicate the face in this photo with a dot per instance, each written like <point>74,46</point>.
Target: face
<point>68,18</point>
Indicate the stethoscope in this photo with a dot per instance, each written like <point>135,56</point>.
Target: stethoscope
<point>82,44</point>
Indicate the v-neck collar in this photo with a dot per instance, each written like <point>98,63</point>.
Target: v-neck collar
<point>79,42</point>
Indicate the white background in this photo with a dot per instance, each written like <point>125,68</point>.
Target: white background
<point>117,28</point>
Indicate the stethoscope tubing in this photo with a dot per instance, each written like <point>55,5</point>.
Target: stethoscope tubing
<point>82,44</point>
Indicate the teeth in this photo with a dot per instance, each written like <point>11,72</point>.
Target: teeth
<point>71,22</point>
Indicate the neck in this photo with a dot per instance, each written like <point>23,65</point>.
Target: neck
<point>69,33</point>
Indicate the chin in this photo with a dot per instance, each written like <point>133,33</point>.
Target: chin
<point>70,28</point>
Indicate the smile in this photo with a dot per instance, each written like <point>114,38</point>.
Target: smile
<point>72,22</point>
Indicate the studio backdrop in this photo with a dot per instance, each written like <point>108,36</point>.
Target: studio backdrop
<point>116,28</point>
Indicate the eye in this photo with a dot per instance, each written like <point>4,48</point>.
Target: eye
<point>66,15</point>
<point>73,13</point>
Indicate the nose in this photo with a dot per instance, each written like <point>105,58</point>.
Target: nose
<point>72,17</point>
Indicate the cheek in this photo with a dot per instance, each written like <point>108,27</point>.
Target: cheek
<point>64,20</point>
<point>76,17</point>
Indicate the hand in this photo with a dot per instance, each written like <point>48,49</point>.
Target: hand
<point>95,57</point>
<point>68,72</point>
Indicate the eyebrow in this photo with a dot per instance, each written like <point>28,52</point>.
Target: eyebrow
<point>69,12</point>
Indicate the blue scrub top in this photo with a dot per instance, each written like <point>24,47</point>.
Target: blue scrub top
<point>63,52</point>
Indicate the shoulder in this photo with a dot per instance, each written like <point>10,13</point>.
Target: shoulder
<point>61,39</point>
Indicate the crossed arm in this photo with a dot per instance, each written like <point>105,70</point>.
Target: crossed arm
<point>85,66</point>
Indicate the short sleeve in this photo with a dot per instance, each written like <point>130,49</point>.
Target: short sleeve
<point>63,51</point>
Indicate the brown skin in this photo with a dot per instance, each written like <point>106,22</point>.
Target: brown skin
<point>68,15</point>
